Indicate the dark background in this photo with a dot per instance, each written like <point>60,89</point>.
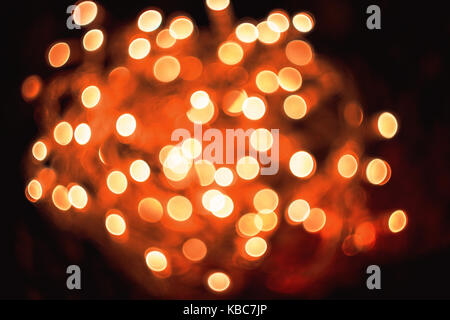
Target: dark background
<point>400,67</point>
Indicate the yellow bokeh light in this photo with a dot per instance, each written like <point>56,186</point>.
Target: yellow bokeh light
<point>191,148</point>
<point>269,220</point>
<point>181,28</point>
<point>230,53</point>
<point>247,168</point>
<point>295,107</point>
<point>78,196</point>
<point>397,221</point>
<point>303,22</point>
<point>82,133</point>
<point>267,81</point>
<point>290,79</point>
<point>199,99</point>
<point>90,96</point>
<point>139,48</point>
<point>278,22</point>
<point>166,69</point>
<point>85,12</point>
<point>156,260</point>
<point>261,140</point>
<point>266,35</point>
<point>265,201</point>
<point>149,20</point>
<point>34,189</point>
<point>347,166</point>
<point>298,211</point>
<point>150,210</point>
<point>315,221</point>
<point>115,223</point>
<point>139,170</point>
<point>224,177</point>
<point>378,172</point>
<point>247,32</point>
<point>249,225</point>
<point>387,125</point>
<point>93,39</point>
<point>201,116</point>
<point>63,133</point>
<point>217,5</point>
<point>117,182</point>
<point>126,125</point>
<point>164,39</point>
<point>219,281</point>
<point>301,164</point>
<point>179,208</point>
<point>256,247</point>
<point>254,108</point>
<point>60,198</point>
<point>205,172</point>
<point>39,150</point>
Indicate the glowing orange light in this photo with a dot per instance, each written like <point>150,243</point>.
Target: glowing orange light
<point>387,125</point>
<point>139,170</point>
<point>254,108</point>
<point>90,96</point>
<point>315,221</point>
<point>117,182</point>
<point>347,166</point>
<point>278,22</point>
<point>59,54</point>
<point>31,87</point>
<point>164,39</point>
<point>63,133</point>
<point>247,168</point>
<point>115,223</point>
<point>34,189</point>
<point>267,81</point>
<point>298,211</point>
<point>78,197</point>
<point>301,164</point>
<point>166,69</point>
<point>199,99</point>
<point>85,12</point>
<point>156,260</point>
<point>378,172</point>
<point>223,177</point>
<point>261,139</point>
<point>93,39</point>
<point>270,221</point>
<point>303,22</point>
<point>205,172</point>
<point>290,79</point>
<point>149,20</point>
<point>265,200</point>
<point>82,133</point>
<point>397,221</point>
<point>126,125</point>
<point>295,107</point>
<point>60,198</point>
<point>266,35</point>
<point>249,225</point>
<point>219,281</point>
<point>230,53</point>
<point>299,52</point>
<point>39,150</point>
<point>139,48</point>
<point>179,208</point>
<point>247,32</point>
<point>150,210</point>
<point>194,249</point>
<point>256,247</point>
<point>217,5</point>
<point>181,28</point>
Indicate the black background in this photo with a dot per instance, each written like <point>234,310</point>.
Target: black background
<point>400,67</point>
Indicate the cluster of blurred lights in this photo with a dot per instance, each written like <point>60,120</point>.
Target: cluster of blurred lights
<point>122,164</point>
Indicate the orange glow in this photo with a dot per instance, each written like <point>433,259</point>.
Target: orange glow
<point>93,39</point>
<point>78,197</point>
<point>217,5</point>
<point>181,28</point>
<point>164,39</point>
<point>191,148</point>
<point>299,52</point>
<point>233,102</point>
<point>84,13</point>
<point>90,96</point>
<point>298,211</point>
<point>261,140</point>
<point>256,247</point>
<point>39,150</point>
<point>60,198</point>
<point>230,53</point>
<point>303,22</point>
<point>365,235</point>
<point>194,249</point>
<point>31,87</point>
<point>149,20</point>
<point>397,221</point>
<point>115,223</point>
<point>213,200</point>
<point>249,225</point>
<point>34,189</point>
<point>295,107</point>
<point>63,133</point>
<point>219,281</point>
<point>290,79</point>
<point>315,221</point>
<point>59,54</point>
<point>139,48</point>
<point>179,208</point>
<point>347,166</point>
<point>387,125</point>
<point>156,260</point>
<point>269,220</point>
<point>117,182</point>
<point>301,164</point>
<point>247,32</point>
<point>378,172</point>
<point>267,81</point>
<point>224,177</point>
<point>278,22</point>
<point>201,116</point>
<point>265,201</point>
<point>254,108</point>
<point>205,172</point>
<point>82,134</point>
<point>266,35</point>
<point>139,170</point>
<point>166,69</point>
<point>199,99</point>
<point>150,210</point>
<point>247,168</point>
<point>126,125</point>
